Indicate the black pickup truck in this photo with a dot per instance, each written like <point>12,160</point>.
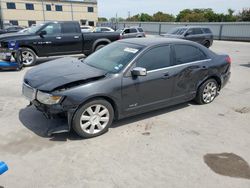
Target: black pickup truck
<point>55,39</point>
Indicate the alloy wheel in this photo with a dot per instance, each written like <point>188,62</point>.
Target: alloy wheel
<point>94,119</point>
<point>209,92</point>
<point>28,58</point>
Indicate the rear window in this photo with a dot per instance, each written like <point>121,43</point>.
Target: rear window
<point>207,30</point>
<point>187,53</point>
<point>132,30</point>
<point>140,29</point>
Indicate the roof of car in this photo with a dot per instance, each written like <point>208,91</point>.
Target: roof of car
<point>191,26</point>
<point>156,41</point>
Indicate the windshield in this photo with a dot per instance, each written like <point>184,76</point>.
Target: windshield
<point>177,31</point>
<point>114,57</point>
<point>34,29</point>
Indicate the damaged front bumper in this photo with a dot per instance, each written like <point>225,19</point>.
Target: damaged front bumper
<point>50,111</point>
<point>53,111</point>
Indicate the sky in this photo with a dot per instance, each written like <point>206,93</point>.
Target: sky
<point>109,8</point>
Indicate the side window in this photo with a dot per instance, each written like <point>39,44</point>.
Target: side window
<point>155,58</point>
<point>53,29</point>
<point>140,29</point>
<point>187,53</point>
<point>198,31</point>
<point>132,30</point>
<point>191,31</point>
<point>207,30</point>
<point>126,31</point>
<point>69,28</point>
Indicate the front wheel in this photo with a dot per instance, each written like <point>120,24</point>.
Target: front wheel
<point>207,92</point>
<point>28,57</point>
<point>93,118</point>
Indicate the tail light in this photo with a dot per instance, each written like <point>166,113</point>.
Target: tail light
<point>228,60</point>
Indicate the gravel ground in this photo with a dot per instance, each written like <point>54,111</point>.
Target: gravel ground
<point>187,145</point>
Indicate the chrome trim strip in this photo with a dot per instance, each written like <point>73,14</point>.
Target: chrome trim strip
<point>194,62</point>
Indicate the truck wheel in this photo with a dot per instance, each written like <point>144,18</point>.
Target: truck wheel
<point>99,47</point>
<point>93,118</point>
<point>28,56</point>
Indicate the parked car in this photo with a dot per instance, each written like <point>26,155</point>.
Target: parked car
<point>131,32</point>
<point>202,35</point>
<point>11,29</point>
<point>86,29</point>
<point>125,78</point>
<point>55,39</point>
<point>103,29</point>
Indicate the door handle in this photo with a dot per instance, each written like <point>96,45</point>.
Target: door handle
<point>165,75</point>
<point>76,37</point>
<point>58,38</point>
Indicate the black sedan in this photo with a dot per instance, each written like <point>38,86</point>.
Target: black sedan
<point>125,78</point>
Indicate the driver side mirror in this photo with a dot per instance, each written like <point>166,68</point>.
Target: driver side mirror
<point>139,71</point>
<point>42,33</point>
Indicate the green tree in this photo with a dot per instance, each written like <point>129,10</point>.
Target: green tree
<point>244,15</point>
<point>144,17</point>
<point>134,18</point>
<point>163,17</point>
<point>102,19</point>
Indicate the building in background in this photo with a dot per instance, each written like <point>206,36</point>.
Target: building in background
<point>29,12</point>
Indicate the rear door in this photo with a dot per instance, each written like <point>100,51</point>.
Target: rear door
<point>190,67</point>
<point>195,34</point>
<point>71,41</point>
<point>155,88</point>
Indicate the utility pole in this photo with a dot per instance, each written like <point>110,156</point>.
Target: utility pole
<point>1,15</point>
<point>116,21</point>
<point>72,16</point>
<point>43,11</point>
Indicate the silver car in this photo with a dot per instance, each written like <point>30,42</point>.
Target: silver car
<point>131,32</point>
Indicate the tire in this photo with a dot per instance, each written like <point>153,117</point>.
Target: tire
<point>28,56</point>
<point>99,47</point>
<point>93,118</point>
<point>207,44</point>
<point>207,92</point>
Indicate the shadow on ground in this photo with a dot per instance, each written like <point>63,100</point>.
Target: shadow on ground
<point>228,164</point>
<point>245,65</point>
<point>40,125</point>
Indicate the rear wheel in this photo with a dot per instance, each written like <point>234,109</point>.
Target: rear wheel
<point>93,118</point>
<point>207,44</point>
<point>99,47</point>
<point>207,92</point>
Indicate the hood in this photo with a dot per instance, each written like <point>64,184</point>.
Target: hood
<point>61,72</point>
<point>172,36</point>
<point>13,36</point>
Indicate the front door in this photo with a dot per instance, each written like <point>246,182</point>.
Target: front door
<point>51,43</point>
<point>144,93</point>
